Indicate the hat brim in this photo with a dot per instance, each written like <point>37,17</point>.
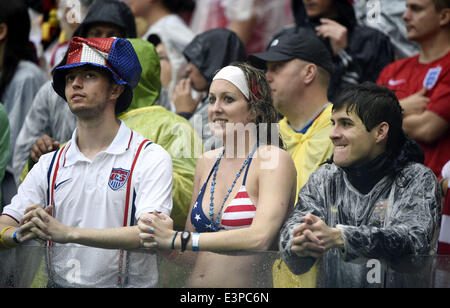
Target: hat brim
<point>59,84</point>
<point>259,59</point>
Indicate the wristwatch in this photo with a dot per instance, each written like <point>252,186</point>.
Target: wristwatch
<point>185,236</point>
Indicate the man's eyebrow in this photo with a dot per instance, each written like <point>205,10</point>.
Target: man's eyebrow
<point>343,118</point>
<point>346,119</point>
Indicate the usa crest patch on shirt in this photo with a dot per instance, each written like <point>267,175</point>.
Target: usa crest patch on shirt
<point>118,178</point>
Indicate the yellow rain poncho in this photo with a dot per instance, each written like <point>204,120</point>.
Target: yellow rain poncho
<point>311,149</point>
<point>308,151</point>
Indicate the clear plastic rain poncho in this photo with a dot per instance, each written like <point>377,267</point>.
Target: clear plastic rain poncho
<point>399,217</point>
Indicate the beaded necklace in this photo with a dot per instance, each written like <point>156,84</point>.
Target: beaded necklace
<point>215,225</point>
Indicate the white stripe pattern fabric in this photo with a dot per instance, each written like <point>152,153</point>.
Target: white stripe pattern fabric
<point>240,212</point>
<point>92,55</point>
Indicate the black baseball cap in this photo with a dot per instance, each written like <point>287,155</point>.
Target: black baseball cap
<point>292,44</point>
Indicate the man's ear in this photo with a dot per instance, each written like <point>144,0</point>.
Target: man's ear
<point>381,132</point>
<point>3,31</point>
<point>310,73</point>
<point>444,17</point>
<point>116,91</point>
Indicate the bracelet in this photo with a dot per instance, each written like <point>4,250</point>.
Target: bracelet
<point>172,246</point>
<point>1,237</point>
<point>195,241</point>
<point>14,237</point>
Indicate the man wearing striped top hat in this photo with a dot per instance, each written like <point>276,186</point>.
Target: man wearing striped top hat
<point>93,190</point>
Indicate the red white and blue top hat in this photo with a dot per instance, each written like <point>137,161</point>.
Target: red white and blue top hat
<point>116,55</point>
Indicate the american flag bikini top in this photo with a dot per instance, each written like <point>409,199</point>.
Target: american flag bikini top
<point>239,212</point>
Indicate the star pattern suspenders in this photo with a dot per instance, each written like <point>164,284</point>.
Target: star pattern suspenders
<point>129,208</point>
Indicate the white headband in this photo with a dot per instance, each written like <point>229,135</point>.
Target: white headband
<point>236,76</point>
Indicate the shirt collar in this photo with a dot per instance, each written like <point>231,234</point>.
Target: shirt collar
<point>308,124</point>
<point>119,145</point>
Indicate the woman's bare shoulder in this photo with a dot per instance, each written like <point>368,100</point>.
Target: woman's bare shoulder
<point>207,159</point>
<point>273,157</point>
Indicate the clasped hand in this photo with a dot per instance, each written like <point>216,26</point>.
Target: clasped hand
<point>38,223</point>
<point>155,230</point>
<point>313,237</point>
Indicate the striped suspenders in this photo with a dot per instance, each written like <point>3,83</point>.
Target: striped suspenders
<point>51,178</point>
<point>128,218</point>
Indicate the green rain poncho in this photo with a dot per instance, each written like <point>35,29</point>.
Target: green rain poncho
<point>147,91</point>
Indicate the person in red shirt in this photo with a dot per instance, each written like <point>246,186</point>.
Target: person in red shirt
<point>422,82</point>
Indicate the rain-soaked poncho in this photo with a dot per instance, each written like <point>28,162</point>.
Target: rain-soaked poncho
<point>49,114</point>
<point>399,217</point>
<point>311,149</point>
<point>177,137</point>
<point>17,100</point>
<point>146,93</point>
<point>209,52</point>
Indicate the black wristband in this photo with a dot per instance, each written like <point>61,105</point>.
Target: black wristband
<point>185,236</point>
